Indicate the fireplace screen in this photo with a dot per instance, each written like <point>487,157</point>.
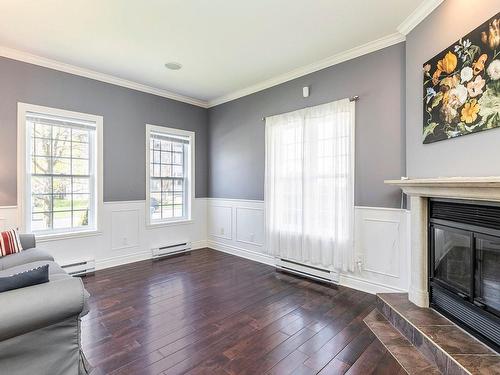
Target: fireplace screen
<point>452,259</point>
<point>487,283</point>
<point>464,265</point>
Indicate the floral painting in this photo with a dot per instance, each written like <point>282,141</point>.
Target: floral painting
<point>462,85</point>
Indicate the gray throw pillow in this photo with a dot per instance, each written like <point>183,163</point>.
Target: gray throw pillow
<point>23,279</point>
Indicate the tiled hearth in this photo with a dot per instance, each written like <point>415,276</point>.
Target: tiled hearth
<point>425,342</point>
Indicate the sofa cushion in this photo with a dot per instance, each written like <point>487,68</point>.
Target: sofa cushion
<point>9,243</point>
<point>55,271</point>
<point>25,256</point>
<point>35,276</point>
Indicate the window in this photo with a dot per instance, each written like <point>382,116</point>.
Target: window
<point>60,177</point>
<point>170,174</point>
<point>309,186</point>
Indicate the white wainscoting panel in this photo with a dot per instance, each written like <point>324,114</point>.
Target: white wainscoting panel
<point>250,225</point>
<point>125,229</point>
<point>220,221</point>
<point>381,241</point>
<point>124,237</point>
<point>245,219</point>
<point>382,251</point>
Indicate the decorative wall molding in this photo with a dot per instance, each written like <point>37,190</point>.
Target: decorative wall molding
<point>338,58</point>
<point>92,74</point>
<point>125,219</point>
<point>382,232</point>
<point>381,243</point>
<point>418,15</point>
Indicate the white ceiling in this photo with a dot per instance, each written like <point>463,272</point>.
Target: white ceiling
<point>224,46</point>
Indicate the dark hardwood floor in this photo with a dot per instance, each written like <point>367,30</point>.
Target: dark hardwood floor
<point>212,313</point>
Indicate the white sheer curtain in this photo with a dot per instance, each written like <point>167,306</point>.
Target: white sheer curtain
<point>309,190</point>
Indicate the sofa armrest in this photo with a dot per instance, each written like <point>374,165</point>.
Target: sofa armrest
<point>28,240</point>
<point>28,309</point>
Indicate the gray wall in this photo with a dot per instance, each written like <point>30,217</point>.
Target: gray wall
<point>236,131</point>
<point>471,155</point>
<point>125,114</point>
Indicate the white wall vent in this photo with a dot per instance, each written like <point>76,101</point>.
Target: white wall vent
<point>171,249</point>
<point>79,267</point>
<point>304,270</point>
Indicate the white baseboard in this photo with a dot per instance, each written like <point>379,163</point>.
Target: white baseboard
<point>137,257</point>
<point>367,286</point>
<point>241,252</point>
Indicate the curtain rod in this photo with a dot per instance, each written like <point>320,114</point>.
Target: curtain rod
<point>354,98</point>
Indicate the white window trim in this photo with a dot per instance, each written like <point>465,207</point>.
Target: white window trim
<point>22,109</point>
<point>191,176</point>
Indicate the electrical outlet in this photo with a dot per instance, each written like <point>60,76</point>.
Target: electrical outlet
<point>252,237</point>
<point>222,231</point>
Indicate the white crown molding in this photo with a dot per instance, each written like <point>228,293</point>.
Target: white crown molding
<point>72,69</point>
<point>338,58</point>
<point>418,15</point>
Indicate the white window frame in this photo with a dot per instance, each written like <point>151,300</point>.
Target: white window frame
<point>188,218</point>
<point>23,169</point>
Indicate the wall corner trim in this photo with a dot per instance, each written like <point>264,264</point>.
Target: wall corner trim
<point>418,15</point>
<point>87,73</point>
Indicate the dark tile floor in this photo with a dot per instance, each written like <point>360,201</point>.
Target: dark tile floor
<point>442,342</point>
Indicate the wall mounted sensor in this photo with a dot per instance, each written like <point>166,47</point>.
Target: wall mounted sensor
<point>305,91</point>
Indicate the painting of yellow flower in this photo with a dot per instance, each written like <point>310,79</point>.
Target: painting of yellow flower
<point>462,85</point>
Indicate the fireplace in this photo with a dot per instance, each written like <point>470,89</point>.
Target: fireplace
<point>464,265</point>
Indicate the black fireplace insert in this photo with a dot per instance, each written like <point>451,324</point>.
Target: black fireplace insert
<point>464,265</point>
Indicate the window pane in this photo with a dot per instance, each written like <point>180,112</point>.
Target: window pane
<point>156,157</point>
<point>178,185</point>
<point>62,220</point>
<point>41,147</point>
<point>155,185</point>
<point>80,218</point>
<point>81,185</point>
<point>178,171</point>
<point>61,166</point>
<point>40,165</point>
<point>166,170</point>
<point>178,157</point>
<point>41,221</point>
<point>166,157</point>
<point>166,146</point>
<point>42,131</point>
<point>81,201</point>
<point>167,185</point>
<point>80,167</point>
<point>178,198</point>
<point>41,185</point>
<point>61,185</point>
<point>61,132</point>
<point>177,211</point>
<point>177,147</point>
<point>61,148</point>
<point>41,203</point>
<point>62,202</point>
<point>80,150</point>
<point>79,135</point>
<point>155,199</point>
<point>167,198</point>
<point>167,212</point>
<point>156,170</point>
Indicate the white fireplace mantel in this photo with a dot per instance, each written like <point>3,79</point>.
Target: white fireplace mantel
<point>419,190</point>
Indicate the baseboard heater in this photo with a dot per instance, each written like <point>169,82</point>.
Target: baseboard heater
<point>170,249</point>
<point>79,267</point>
<point>312,272</point>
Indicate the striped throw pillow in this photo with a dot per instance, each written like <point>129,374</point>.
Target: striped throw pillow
<point>9,243</point>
